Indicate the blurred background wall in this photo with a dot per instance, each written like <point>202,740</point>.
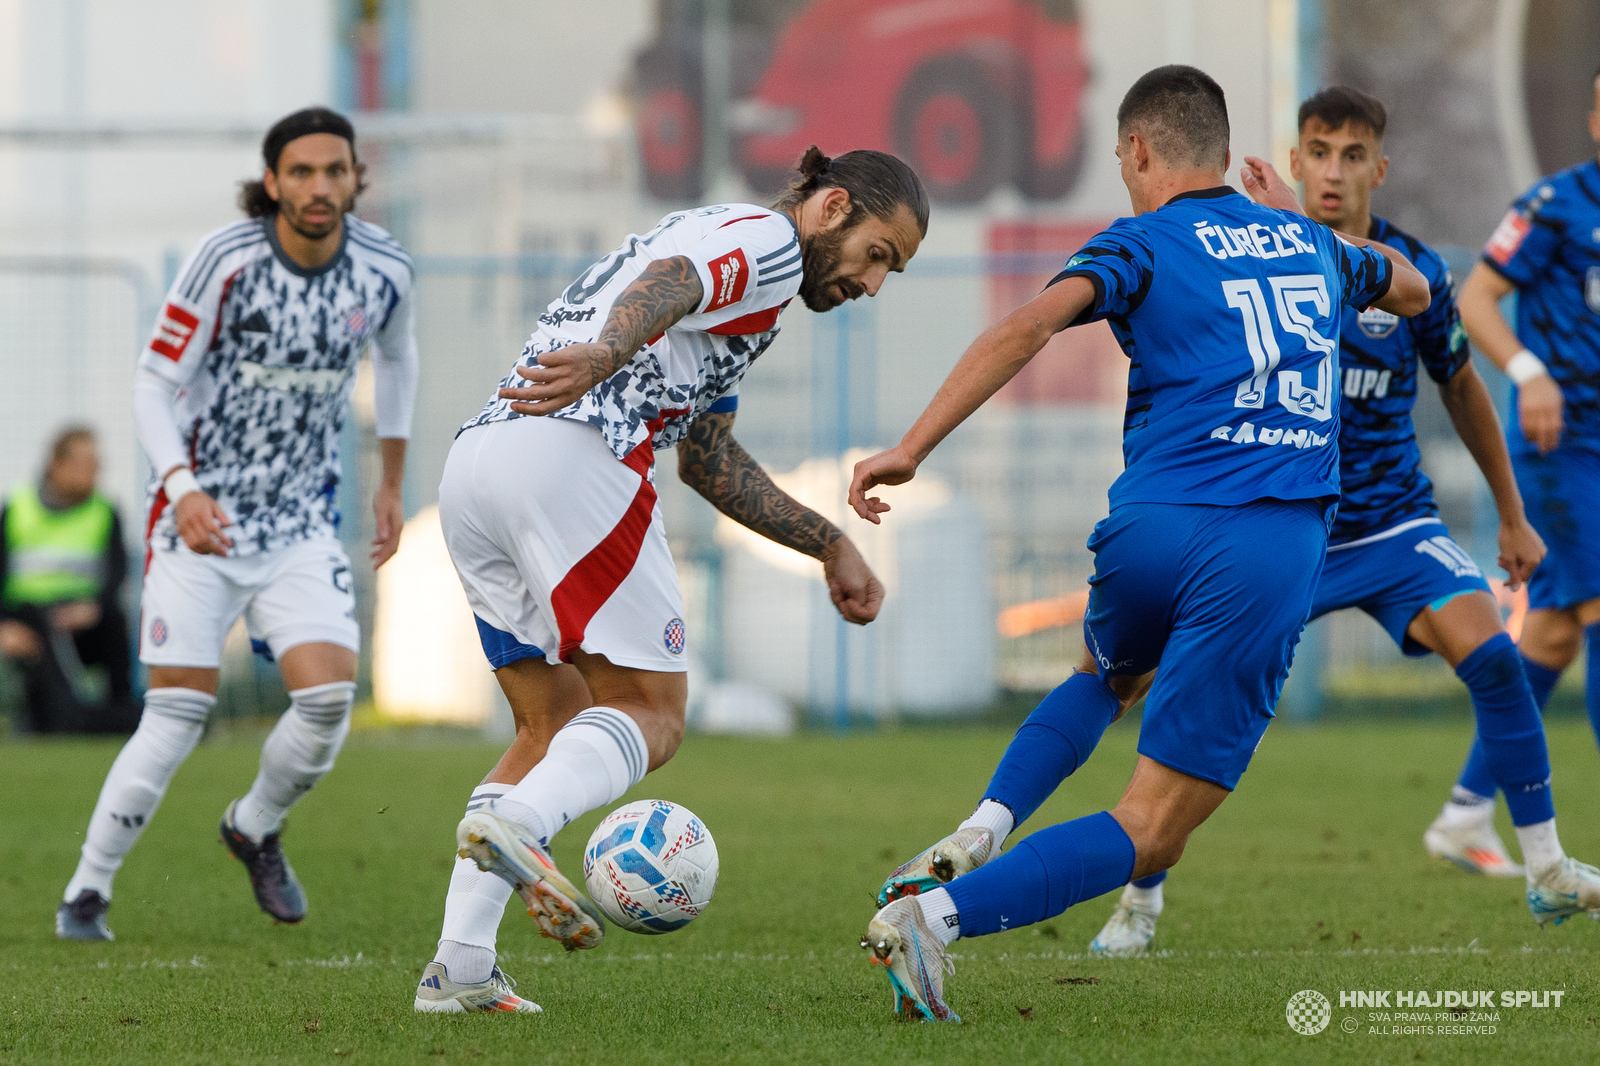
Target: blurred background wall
<point>511,143</point>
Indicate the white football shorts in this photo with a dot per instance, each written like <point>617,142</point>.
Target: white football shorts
<point>560,546</point>
<point>295,595</point>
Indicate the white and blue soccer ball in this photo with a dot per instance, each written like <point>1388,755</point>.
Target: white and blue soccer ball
<point>651,866</point>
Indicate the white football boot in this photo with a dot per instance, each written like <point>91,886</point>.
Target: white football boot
<point>1130,928</point>
<point>1467,838</point>
<point>900,941</point>
<point>437,994</point>
<point>959,853</point>
<point>1558,892</point>
<point>507,850</point>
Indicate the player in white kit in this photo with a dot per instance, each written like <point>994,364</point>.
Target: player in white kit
<point>238,401</point>
<point>553,525</point>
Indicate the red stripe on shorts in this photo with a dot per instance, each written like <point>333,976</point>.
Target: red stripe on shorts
<point>590,583</point>
<point>158,505</point>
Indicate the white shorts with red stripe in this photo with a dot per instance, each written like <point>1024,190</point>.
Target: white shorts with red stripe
<point>561,546</point>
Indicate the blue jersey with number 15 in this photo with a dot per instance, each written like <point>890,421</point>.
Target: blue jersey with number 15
<point>1229,313</point>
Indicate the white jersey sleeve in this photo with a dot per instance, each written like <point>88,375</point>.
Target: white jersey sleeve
<point>187,322</point>
<point>155,421</point>
<point>749,268</point>
<point>394,370</point>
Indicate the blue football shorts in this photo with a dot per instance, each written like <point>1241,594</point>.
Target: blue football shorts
<point>1214,599</point>
<point>1561,491</point>
<point>1393,575</point>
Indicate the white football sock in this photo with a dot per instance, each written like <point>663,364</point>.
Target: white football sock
<point>1455,815</point>
<point>472,910</point>
<point>994,816</point>
<point>168,730</point>
<point>1465,797</point>
<point>1541,848</point>
<point>299,751</point>
<point>591,761</point>
<point>1146,899</point>
<point>939,911</point>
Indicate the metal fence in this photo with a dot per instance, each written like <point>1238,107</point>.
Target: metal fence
<point>983,559</point>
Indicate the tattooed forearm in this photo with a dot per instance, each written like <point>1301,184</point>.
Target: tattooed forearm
<point>716,466</point>
<point>664,292</point>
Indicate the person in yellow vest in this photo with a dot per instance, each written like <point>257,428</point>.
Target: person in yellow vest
<point>62,565</point>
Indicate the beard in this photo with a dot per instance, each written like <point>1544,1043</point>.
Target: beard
<point>313,232</point>
<point>821,283</point>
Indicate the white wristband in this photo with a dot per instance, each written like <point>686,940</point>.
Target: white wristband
<point>179,484</point>
<point>1524,367</point>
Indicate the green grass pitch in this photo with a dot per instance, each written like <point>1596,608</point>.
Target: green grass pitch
<point>1311,877</point>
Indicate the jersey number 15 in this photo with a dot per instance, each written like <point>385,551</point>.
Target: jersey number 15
<point>1289,293</point>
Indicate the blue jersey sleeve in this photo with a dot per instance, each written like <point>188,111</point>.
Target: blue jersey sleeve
<point>1364,274</point>
<point>1440,338</point>
<point>1522,246</point>
<point>1120,263</point>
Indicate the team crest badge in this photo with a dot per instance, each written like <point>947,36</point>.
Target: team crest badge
<point>356,322</point>
<point>675,636</point>
<point>158,632</point>
<point>1378,323</point>
<point>1591,289</point>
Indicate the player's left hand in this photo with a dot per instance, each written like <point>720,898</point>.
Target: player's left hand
<point>1521,549</point>
<point>561,378</point>
<point>855,590</point>
<point>1266,188</point>
<point>390,512</point>
<point>893,467</point>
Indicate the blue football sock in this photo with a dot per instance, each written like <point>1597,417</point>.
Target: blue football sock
<point>1591,683</point>
<point>1509,729</point>
<point>1542,679</point>
<point>1054,741</point>
<point>1149,882</point>
<point>1475,776</point>
<point>1044,875</point>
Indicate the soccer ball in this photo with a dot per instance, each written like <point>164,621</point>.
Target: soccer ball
<point>651,866</point>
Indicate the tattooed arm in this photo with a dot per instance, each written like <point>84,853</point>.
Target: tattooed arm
<point>663,293</point>
<point>716,466</point>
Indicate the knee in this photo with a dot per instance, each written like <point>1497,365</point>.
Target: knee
<point>666,740</point>
<point>1158,844</point>
<point>1157,852</point>
<point>1551,638</point>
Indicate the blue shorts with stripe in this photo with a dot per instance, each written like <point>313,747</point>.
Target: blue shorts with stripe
<point>1561,491</point>
<point>1393,575</point>
<point>1214,599</point>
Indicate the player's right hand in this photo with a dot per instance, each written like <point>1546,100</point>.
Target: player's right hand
<point>200,522</point>
<point>1539,411</point>
<point>893,467</point>
<point>1265,187</point>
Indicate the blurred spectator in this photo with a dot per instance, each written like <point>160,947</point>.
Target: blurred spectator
<point>62,564</point>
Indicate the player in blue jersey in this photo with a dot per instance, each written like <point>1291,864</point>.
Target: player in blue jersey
<point>1547,250</point>
<point>1389,554</point>
<point>1229,313</point>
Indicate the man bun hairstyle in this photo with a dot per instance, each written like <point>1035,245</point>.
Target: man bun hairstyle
<point>1338,104</point>
<point>253,198</point>
<point>1183,115</point>
<point>879,184</point>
